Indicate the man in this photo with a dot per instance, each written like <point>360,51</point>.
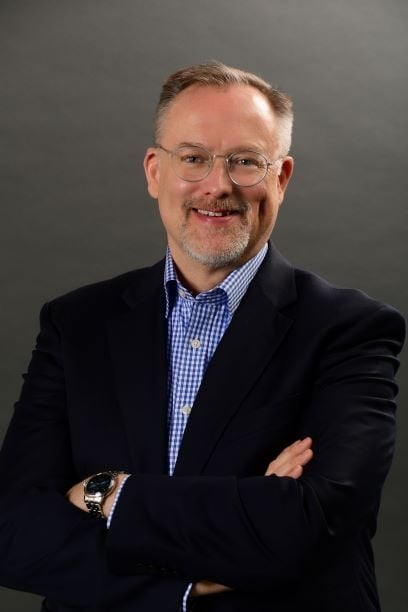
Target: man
<point>187,379</point>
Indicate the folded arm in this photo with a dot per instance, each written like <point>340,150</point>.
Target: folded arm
<point>256,533</point>
<point>250,533</point>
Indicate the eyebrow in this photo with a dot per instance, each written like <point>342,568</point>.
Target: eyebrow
<point>253,148</point>
<point>192,144</point>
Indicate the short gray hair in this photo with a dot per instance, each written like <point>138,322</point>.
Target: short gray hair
<point>217,74</point>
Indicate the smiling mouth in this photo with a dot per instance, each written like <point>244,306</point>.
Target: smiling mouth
<point>213,213</point>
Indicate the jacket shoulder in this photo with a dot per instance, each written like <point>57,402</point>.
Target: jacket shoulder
<point>325,304</point>
<point>111,295</point>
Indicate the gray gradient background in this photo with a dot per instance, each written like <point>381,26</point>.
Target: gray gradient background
<point>78,83</point>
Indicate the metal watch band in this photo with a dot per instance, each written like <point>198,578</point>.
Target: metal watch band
<point>95,507</point>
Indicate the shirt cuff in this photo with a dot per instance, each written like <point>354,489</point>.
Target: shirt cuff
<point>185,598</point>
<point>118,492</point>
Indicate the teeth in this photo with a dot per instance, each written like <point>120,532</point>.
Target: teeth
<point>211,213</point>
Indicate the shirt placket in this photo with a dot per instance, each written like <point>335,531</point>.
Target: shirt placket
<point>188,370</point>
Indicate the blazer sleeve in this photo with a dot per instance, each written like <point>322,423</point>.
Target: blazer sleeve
<point>47,546</point>
<point>257,533</point>
<point>249,533</point>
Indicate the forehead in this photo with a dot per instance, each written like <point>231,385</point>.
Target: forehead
<point>236,115</point>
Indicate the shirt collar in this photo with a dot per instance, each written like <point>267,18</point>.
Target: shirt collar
<point>233,287</point>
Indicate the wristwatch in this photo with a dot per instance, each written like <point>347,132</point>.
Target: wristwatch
<point>96,490</point>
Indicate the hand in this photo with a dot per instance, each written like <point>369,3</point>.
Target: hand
<point>205,587</point>
<point>76,496</point>
<point>289,462</point>
<point>292,459</point>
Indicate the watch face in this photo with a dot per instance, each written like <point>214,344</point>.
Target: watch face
<point>99,483</point>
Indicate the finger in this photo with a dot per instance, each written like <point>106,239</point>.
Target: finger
<point>302,444</point>
<point>290,456</point>
<point>305,457</point>
<point>296,472</point>
<point>205,587</point>
<point>279,465</point>
<point>294,449</point>
<point>283,467</point>
<point>300,459</point>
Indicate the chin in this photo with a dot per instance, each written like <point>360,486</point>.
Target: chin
<point>218,257</point>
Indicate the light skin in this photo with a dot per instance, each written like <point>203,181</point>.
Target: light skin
<point>223,120</point>
<point>206,249</point>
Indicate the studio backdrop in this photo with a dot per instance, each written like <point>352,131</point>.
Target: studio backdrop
<point>79,81</point>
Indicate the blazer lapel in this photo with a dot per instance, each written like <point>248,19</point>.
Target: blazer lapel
<point>138,348</point>
<point>255,332</point>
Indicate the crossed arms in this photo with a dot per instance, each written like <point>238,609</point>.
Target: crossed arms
<point>247,533</point>
<point>289,463</point>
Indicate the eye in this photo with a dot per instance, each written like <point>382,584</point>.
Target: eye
<point>192,156</point>
<point>247,160</point>
<point>192,159</point>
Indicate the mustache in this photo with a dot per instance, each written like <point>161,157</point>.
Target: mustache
<point>218,205</point>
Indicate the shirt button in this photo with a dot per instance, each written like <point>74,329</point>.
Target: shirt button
<point>196,343</point>
<point>182,293</point>
<point>186,410</point>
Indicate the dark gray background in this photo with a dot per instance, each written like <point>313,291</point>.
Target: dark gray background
<point>78,83</point>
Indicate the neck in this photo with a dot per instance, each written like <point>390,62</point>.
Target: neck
<point>199,278</point>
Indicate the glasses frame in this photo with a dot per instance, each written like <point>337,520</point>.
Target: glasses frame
<point>212,157</point>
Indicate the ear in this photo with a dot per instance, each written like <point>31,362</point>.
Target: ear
<point>285,173</point>
<point>152,170</point>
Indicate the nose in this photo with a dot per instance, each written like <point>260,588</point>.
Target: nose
<point>217,183</point>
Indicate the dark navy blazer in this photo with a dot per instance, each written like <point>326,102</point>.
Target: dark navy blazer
<point>300,357</point>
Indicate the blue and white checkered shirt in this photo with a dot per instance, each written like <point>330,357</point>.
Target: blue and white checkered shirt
<point>195,327</point>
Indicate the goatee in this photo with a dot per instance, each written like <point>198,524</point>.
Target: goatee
<point>236,237</point>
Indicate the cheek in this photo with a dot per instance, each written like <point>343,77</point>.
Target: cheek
<point>174,190</point>
<point>171,198</point>
<point>269,201</point>
<point>260,203</point>
<point>264,210</point>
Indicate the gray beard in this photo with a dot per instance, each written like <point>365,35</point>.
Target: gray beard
<point>239,239</point>
<point>230,255</point>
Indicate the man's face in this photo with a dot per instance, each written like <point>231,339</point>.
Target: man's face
<point>223,121</point>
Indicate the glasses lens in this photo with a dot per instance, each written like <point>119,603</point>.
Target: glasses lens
<point>247,168</point>
<point>191,163</point>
